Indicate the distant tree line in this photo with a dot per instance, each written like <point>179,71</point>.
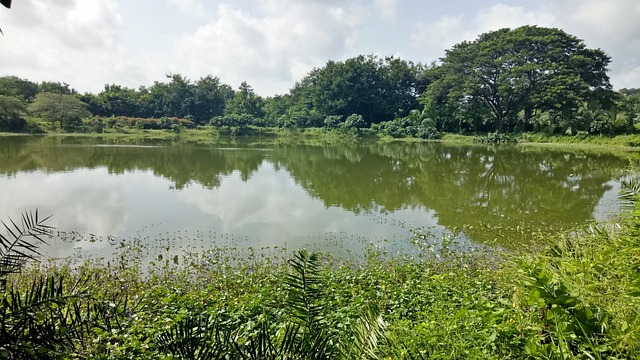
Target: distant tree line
<point>510,80</point>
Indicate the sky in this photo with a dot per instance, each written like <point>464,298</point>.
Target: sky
<point>271,44</point>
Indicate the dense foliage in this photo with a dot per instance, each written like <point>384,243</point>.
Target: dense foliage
<point>528,79</point>
<point>505,80</point>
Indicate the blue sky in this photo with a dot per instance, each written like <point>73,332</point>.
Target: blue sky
<point>271,44</point>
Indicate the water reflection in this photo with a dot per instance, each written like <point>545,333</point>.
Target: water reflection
<point>257,194</point>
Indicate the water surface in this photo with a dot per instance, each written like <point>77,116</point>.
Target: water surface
<point>335,197</point>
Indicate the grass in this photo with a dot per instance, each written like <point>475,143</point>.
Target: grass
<point>630,141</point>
<point>208,134</point>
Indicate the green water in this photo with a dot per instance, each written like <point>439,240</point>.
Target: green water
<point>251,193</point>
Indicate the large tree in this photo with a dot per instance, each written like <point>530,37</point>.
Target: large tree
<point>375,88</point>
<point>66,110</point>
<point>245,102</point>
<point>210,97</point>
<point>502,79</point>
<point>21,88</point>
<point>12,111</point>
<point>171,99</point>
<point>115,100</point>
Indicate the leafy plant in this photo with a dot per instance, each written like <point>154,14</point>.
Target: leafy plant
<point>48,318</point>
<point>196,338</point>
<point>20,244</point>
<point>303,335</point>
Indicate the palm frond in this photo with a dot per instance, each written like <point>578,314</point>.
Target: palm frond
<point>630,191</point>
<point>46,317</point>
<point>303,289</point>
<point>20,244</point>
<point>367,332</point>
<point>196,338</point>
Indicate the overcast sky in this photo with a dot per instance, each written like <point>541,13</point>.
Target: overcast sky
<point>273,43</point>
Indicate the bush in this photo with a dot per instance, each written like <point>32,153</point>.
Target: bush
<point>235,120</point>
<point>99,123</point>
<point>496,138</point>
<point>33,127</point>
<point>408,127</point>
<point>13,124</point>
<point>332,121</point>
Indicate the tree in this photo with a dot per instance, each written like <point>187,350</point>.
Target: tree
<point>67,110</point>
<point>276,107</point>
<point>56,88</point>
<point>503,78</point>
<point>12,111</point>
<point>171,99</point>
<point>377,89</point>
<point>35,322</point>
<point>245,101</point>
<point>629,104</point>
<point>115,100</point>
<point>209,98</point>
<point>21,88</point>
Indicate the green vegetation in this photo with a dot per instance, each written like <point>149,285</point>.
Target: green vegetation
<point>525,79</point>
<point>573,296</point>
<point>530,80</point>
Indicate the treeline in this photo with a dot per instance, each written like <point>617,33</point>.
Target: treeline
<point>528,79</point>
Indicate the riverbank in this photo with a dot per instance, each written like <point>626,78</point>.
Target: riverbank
<point>574,296</point>
<point>213,134</point>
<point>620,141</point>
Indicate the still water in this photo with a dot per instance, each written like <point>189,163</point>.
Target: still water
<point>257,193</point>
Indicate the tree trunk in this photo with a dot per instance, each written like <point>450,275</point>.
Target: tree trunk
<point>528,113</point>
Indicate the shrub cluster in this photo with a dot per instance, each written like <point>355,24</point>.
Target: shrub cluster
<point>100,123</point>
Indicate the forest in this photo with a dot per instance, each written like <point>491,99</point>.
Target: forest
<point>527,79</point>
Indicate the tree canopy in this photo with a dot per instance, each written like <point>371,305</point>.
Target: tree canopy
<point>66,110</point>
<point>12,111</point>
<point>377,89</point>
<point>500,81</point>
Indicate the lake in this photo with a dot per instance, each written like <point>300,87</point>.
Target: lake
<point>341,198</point>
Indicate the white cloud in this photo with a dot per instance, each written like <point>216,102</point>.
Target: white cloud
<point>271,50</point>
<point>189,7</point>
<point>387,9</point>
<point>433,38</point>
<point>610,25</point>
<point>73,41</point>
<point>506,16</point>
<point>601,19</point>
<point>449,30</point>
<point>274,43</point>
